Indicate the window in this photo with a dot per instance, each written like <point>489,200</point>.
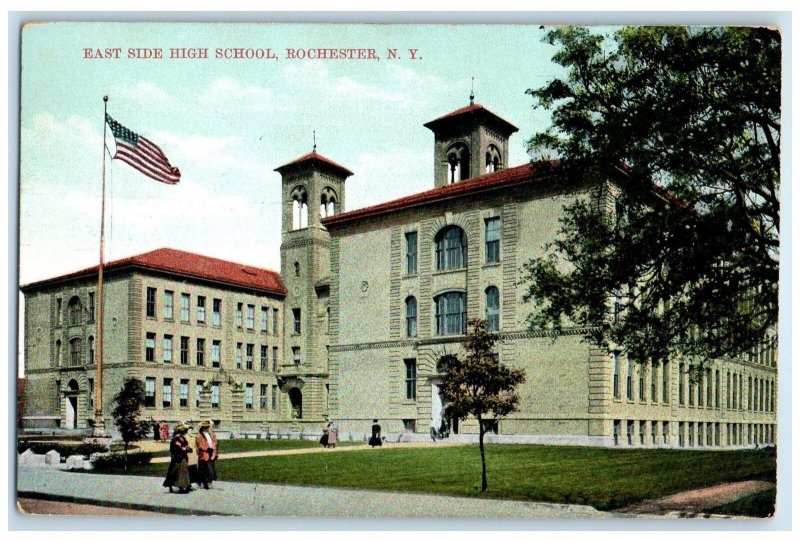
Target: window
<point>91,395</point>
<point>296,269</point>
<point>692,393</point>
<point>198,389</point>
<point>728,392</point>
<point>251,317</point>
<point>274,396</point>
<point>239,308</point>
<point>665,432</point>
<point>296,355</point>
<point>451,313</point>
<point>274,321</point>
<point>492,240</point>
<point>642,431</point>
<point>691,433</point>
<point>166,393</point>
<point>617,431</point>
<point>248,396</point>
<point>654,381</point>
<point>150,392</point>
<point>681,376</point>
<point>75,310</point>
<point>58,311</point>
<point>709,389</point>
<point>262,398</point>
<point>701,382</point>
<point>184,307</point>
<point>734,390</point>
<point>150,347</point>
<point>201,309</point>
<point>238,355</point>
<point>630,432</point>
<point>716,389</point>
<point>411,379</point>
<point>629,383</point>
<point>641,381</point>
<point>451,248</point>
<point>681,433</point>
<point>151,302</point>
<point>409,425</point>
<point>201,352</point>
<point>492,309</point>
<point>274,359</point>
<point>411,253</point>
<point>58,354</point>
<point>216,353</point>
<point>216,312</point>
<point>167,347</point>
<point>264,356</point>
<point>411,316</point>
<point>264,315</point>
<point>215,395</point>
<point>616,375</point>
<point>296,316</point>
<point>183,393</point>
<point>91,306</point>
<point>249,356</point>
<point>91,350</point>
<point>168,309</point>
<point>665,381</point>
<point>184,350</point>
<point>299,208</point>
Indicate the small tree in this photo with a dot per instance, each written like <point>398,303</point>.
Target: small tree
<point>479,384</point>
<point>129,402</point>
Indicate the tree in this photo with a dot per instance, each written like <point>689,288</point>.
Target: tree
<point>479,384</point>
<point>683,242</point>
<point>129,401</point>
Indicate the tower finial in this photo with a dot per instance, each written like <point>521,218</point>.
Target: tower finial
<point>314,132</point>
<point>472,92</point>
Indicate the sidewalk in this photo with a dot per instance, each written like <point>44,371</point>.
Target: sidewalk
<point>272,500</point>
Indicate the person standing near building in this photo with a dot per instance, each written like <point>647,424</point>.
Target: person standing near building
<point>207,454</point>
<point>375,439</point>
<point>333,434</point>
<point>178,472</point>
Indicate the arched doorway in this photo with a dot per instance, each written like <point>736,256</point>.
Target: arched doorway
<point>71,411</point>
<point>296,401</point>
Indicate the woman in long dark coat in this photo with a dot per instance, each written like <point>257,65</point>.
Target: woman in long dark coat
<point>178,472</point>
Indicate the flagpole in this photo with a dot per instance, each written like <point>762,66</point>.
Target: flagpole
<point>99,422</point>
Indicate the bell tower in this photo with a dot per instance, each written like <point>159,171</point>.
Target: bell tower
<point>313,188</point>
<point>469,142</point>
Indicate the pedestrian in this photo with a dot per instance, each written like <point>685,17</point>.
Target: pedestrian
<point>164,431</point>
<point>375,439</point>
<point>333,434</point>
<point>156,431</point>
<point>178,472</point>
<point>207,454</point>
<point>324,438</point>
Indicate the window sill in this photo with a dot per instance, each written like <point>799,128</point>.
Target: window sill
<point>492,264</point>
<point>153,318</point>
<point>410,275</point>
<point>449,271</point>
<point>170,320</point>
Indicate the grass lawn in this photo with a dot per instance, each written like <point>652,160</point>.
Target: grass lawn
<point>759,505</point>
<point>602,477</point>
<point>257,445</point>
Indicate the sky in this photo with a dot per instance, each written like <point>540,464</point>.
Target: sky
<point>228,123</point>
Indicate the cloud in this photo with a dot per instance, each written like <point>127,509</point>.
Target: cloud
<point>226,93</point>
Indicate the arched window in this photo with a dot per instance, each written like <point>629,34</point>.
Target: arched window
<point>411,316</point>
<point>74,308</point>
<point>451,313</point>
<point>327,205</point>
<point>58,354</point>
<point>299,208</point>
<point>75,352</point>
<point>451,248</point>
<point>458,157</point>
<point>492,308</point>
<point>493,160</point>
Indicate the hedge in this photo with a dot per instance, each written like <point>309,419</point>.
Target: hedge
<point>116,461</point>
<point>66,449</point>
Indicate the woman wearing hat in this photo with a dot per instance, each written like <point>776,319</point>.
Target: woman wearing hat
<point>178,472</point>
<point>206,441</point>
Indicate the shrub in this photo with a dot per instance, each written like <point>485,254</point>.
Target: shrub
<point>116,461</point>
<point>64,448</point>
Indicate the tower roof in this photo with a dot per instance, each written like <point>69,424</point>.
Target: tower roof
<point>315,159</point>
<point>473,111</point>
<point>186,264</point>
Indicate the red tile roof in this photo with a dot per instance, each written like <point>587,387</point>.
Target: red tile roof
<point>314,156</point>
<point>490,181</point>
<point>472,109</point>
<point>186,264</point>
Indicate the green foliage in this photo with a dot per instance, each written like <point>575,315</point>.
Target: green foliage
<point>479,385</point>
<point>65,449</point>
<point>605,478</point>
<point>117,461</point>
<point>759,505</point>
<point>129,402</point>
<point>685,124</point>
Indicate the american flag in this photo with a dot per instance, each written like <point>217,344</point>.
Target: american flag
<point>142,154</point>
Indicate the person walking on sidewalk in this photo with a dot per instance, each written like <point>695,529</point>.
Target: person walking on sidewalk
<point>178,472</point>
<point>207,454</point>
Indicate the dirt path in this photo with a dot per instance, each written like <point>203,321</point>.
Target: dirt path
<point>61,508</point>
<point>697,500</point>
